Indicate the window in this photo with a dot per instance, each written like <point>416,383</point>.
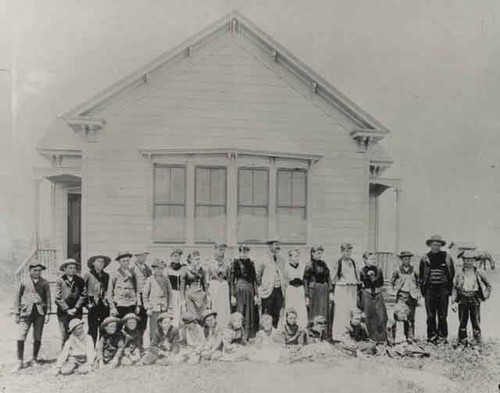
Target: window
<point>253,205</point>
<point>210,204</point>
<point>291,205</point>
<point>169,211</point>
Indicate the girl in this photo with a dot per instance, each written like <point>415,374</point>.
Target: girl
<point>195,286</point>
<point>133,340</point>
<point>192,340</point>
<point>165,343</point>
<point>346,283</point>
<point>244,290</point>
<point>111,344</point>
<point>218,284</point>
<point>293,334</point>
<point>234,339</point>
<point>295,295</point>
<point>372,301</point>
<point>267,340</point>
<point>176,275</point>
<point>357,337</point>
<point>213,336</point>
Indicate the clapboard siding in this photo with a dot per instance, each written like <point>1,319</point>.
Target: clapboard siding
<point>221,97</point>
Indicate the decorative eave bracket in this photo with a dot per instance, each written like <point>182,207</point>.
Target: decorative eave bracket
<point>365,138</point>
<point>85,126</point>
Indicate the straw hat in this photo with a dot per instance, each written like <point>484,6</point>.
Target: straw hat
<point>74,323</point>
<point>91,260</point>
<point>435,238</point>
<point>67,262</point>
<point>123,254</point>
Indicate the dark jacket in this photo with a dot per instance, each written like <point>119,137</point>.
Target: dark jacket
<point>70,294</point>
<point>28,297</point>
<point>425,270</point>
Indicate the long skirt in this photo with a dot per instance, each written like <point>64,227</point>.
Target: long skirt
<point>245,305</point>
<point>176,308</point>
<point>375,315</point>
<point>219,294</point>
<point>345,301</point>
<point>196,302</point>
<point>318,301</point>
<point>295,298</point>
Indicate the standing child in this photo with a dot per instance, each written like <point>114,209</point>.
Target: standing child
<point>192,340</point>
<point>132,350</point>
<point>213,336</point>
<point>470,288</point>
<point>295,294</point>
<point>404,284</point>
<point>176,276</point>
<point>141,272</point>
<point>157,295</point>
<point>32,307</point>
<point>111,344</point>
<point>165,343</point>
<point>122,288</point>
<point>78,351</point>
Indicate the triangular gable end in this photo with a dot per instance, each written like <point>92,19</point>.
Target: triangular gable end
<point>366,130</point>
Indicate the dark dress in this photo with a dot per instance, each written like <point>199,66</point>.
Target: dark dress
<point>318,286</point>
<point>244,288</point>
<point>372,303</point>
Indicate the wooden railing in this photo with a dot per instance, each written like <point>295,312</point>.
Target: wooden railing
<point>47,257</point>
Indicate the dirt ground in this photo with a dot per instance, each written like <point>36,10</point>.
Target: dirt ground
<point>447,370</point>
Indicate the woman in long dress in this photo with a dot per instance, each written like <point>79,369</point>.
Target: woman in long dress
<point>318,285</point>
<point>295,297</point>
<point>219,272</point>
<point>244,291</point>
<point>195,286</point>
<point>345,278</point>
<point>372,301</point>
<point>175,274</point>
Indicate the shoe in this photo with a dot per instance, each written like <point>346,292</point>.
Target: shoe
<point>19,366</point>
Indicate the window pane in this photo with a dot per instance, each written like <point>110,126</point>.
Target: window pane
<point>292,225</point>
<point>202,185</point>
<point>169,185</point>
<point>169,223</point>
<point>245,185</point>
<point>284,188</point>
<point>161,184</point>
<point>210,223</point>
<point>260,187</point>
<point>299,188</point>
<point>218,186</point>
<point>178,185</point>
<point>252,224</point>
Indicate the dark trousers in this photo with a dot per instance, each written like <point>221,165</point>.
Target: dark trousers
<point>96,315</point>
<point>122,311</point>
<point>143,323</point>
<point>436,307</point>
<point>469,307</point>
<point>273,304</point>
<point>64,319</point>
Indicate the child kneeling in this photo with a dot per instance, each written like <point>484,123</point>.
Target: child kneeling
<point>165,343</point>
<point>77,355</point>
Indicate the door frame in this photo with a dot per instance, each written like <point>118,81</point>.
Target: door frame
<point>67,191</point>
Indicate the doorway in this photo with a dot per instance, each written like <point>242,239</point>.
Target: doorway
<point>74,248</point>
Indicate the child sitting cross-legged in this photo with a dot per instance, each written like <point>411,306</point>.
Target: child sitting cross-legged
<point>317,331</point>
<point>267,342</point>
<point>165,343</point>
<point>111,343</point>
<point>77,355</point>
<point>132,350</point>
<point>293,334</point>
<point>192,340</point>
<point>213,336</point>
<point>234,339</point>
<point>356,340</point>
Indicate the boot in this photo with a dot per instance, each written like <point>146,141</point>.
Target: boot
<point>36,350</point>
<point>20,356</point>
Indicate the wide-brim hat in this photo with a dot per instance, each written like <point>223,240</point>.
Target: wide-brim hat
<point>468,254</point>
<point>273,240</point>
<point>244,247</point>
<point>123,254</point>
<point>159,263</point>
<point>346,246</point>
<point>91,260</point>
<point>109,320</point>
<point>435,238</point>
<point>74,323</point>
<point>220,245</point>
<point>129,316</point>
<point>207,314</point>
<point>176,251</point>
<point>405,254</point>
<point>36,264</point>
<point>317,248</point>
<point>67,262</point>
<point>163,315</point>
<point>142,253</point>
<point>188,317</point>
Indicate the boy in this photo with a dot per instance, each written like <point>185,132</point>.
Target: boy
<point>122,288</point>
<point>78,351</point>
<point>132,351</point>
<point>470,288</point>
<point>111,344</point>
<point>165,342</point>
<point>192,340</point>
<point>357,339</point>
<point>71,295</point>
<point>404,283</point>
<point>317,333</point>
<point>141,272</point>
<point>213,336</point>
<point>31,307</point>
<point>157,295</point>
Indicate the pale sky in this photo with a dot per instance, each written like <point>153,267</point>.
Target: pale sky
<point>428,70</point>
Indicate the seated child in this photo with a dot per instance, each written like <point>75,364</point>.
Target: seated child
<point>267,342</point>
<point>267,334</point>
<point>192,340</point>
<point>213,336</point>
<point>356,339</point>
<point>292,334</point>
<point>78,351</point>
<point>165,343</point>
<point>111,343</point>
<point>317,332</point>
<point>234,339</point>
<point>132,350</point>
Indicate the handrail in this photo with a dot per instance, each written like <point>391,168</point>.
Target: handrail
<point>46,256</point>
<point>27,260</point>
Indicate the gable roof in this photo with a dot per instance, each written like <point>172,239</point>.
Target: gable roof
<point>84,118</point>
